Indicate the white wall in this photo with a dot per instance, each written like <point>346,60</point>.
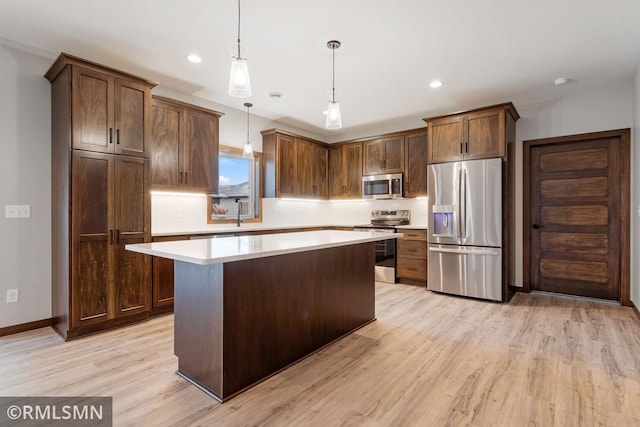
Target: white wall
<point>25,178</point>
<point>601,108</point>
<point>635,194</point>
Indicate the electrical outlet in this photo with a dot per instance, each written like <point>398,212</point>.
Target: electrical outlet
<point>17,211</point>
<point>12,296</point>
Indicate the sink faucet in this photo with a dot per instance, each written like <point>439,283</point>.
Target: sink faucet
<point>238,221</point>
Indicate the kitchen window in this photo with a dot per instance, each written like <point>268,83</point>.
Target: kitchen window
<point>239,187</point>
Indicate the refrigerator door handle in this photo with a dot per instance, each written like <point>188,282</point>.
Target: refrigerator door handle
<point>463,204</point>
<point>470,251</point>
<point>458,212</point>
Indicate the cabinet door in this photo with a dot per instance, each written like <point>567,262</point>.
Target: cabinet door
<point>393,161</point>
<point>132,110</point>
<point>165,142</point>
<point>132,270</point>
<point>305,156</point>
<point>92,110</point>
<point>200,151</point>
<point>485,133</point>
<point>336,173</point>
<point>353,166</point>
<point>92,231</point>
<point>446,139</point>
<point>373,157</point>
<point>286,164</point>
<point>162,292</point>
<point>321,186</point>
<point>415,183</point>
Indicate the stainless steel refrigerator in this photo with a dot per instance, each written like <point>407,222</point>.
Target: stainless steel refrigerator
<point>465,228</point>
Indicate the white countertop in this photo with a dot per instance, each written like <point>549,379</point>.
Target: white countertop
<point>232,228</point>
<point>228,249</point>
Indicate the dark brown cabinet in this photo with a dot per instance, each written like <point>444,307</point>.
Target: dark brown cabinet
<point>345,171</point>
<point>412,257</point>
<point>475,134</point>
<point>415,177</point>
<point>111,114</point>
<point>294,166</point>
<point>385,155</point>
<point>184,146</point>
<point>100,196</point>
<point>162,273</point>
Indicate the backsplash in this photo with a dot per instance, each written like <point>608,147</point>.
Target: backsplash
<point>179,212</point>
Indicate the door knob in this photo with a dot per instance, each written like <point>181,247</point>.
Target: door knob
<point>536,226</point>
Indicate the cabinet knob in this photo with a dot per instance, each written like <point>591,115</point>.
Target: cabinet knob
<point>537,226</point>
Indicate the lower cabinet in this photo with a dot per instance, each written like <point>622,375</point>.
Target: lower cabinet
<point>162,290</point>
<point>411,255</point>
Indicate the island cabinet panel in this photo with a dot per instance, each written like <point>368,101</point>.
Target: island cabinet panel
<point>475,134</point>
<point>184,146</point>
<point>415,177</point>
<point>345,171</point>
<point>385,155</point>
<point>294,166</point>
<point>101,125</point>
<point>240,322</point>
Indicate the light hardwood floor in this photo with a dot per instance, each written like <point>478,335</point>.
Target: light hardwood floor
<point>429,360</point>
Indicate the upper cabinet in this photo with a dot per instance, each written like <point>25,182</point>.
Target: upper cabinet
<point>474,134</point>
<point>294,166</point>
<point>345,171</point>
<point>111,110</point>
<point>415,177</point>
<point>384,155</point>
<point>184,146</point>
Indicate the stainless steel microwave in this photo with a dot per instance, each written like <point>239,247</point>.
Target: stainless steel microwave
<point>382,186</point>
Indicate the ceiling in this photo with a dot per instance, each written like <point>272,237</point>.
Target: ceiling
<point>485,52</point>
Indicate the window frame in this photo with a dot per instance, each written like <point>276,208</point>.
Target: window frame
<point>258,189</point>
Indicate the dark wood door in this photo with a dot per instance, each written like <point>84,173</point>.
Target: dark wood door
<point>415,183</point>
<point>92,234</point>
<point>286,164</point>
<point>200,151</point>
<point>132,111</point>
<point>336,173</point>
<point>321,186</point>
<point>132,271</point>
<point>165,143</point>
<point>353,170</point>
<point>575,218</point>
<point>162,274</point>
<point>92,110</point>
<point>393,161</point>
<point>373,157</point>
<point>485,135</point>
<point>305,157</point>
<point>446,139</point>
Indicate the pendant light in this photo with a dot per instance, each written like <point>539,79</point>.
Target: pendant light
<point>334,121</point>
<point>239,83</point>
<point>247,150</point>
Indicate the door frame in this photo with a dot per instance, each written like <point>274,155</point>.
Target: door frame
<point>625,202</point>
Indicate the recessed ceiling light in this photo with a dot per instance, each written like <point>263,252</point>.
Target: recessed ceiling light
<point>275,94</point>
<point>325,112</point>
<point>435,83</point>
<point>561,81</point>
<point>194,58</point>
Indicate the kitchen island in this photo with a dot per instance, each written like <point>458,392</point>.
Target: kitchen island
<point>247,307</point>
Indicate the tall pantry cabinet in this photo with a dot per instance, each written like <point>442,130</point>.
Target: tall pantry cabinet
<point>100,196</point>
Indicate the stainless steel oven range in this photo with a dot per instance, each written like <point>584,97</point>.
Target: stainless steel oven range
<point>385,222</point>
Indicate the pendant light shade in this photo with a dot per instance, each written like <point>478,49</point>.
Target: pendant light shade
<point>334,120</point>
<point>247,150</point>
<point>239,83</point>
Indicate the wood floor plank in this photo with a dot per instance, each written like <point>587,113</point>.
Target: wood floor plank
<point>429,359</point>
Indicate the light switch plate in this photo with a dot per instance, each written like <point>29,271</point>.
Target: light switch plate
<point>12,296</point>
<point>17,211</point>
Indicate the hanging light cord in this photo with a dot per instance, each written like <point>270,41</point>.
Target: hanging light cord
<point>238,29</point>
<point>333,82</point>
<point>248,124</point>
